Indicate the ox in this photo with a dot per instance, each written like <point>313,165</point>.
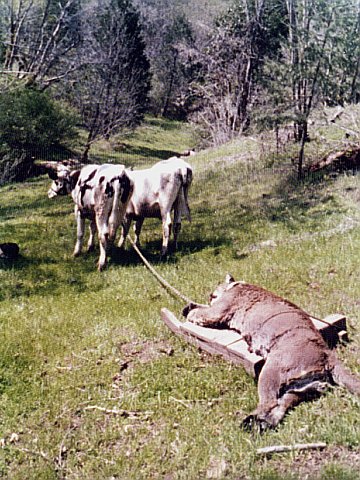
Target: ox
<point>157,191</point>
<point>101,194</point>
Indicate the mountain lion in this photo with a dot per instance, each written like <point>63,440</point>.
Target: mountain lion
<point>298,363</point>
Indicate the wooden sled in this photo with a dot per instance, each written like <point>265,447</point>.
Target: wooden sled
<point>230,345</point>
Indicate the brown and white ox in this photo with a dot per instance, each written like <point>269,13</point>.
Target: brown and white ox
<point>101,194</point>
<point>158,191</point>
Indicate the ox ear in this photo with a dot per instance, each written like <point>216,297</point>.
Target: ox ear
<point>229,278</point>
<point>52,174</point>
<point>74,177</point>
<point>51,168</point>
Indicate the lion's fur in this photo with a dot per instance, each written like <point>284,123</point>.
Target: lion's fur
<point>298,362</point>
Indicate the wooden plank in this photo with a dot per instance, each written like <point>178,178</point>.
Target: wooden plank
<point>207,334</point>
<point>230,345</point>
<point>227,343</point>
<point>221,336</point>
<point>170,320</point>
<point>335,323</point>
<point>251,362</point>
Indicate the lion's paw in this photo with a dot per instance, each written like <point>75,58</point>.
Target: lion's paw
<point>253,422</point>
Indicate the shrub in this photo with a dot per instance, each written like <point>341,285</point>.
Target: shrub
<point>30,120</point>
<point>31,125</point>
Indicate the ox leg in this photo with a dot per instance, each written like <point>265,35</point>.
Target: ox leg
<point>114,222</point>
<point>104,247</point>
<point>104,237</point>
<point>124,232</point>
<point>91,241</point>
<point>137,230</point>
<point>80,229</point>
<point>166,234</point>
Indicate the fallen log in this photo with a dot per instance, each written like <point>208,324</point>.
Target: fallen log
<point>231,346</point>
<point>344,159</point>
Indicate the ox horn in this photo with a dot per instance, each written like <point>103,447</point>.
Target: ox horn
<point>52,167</point>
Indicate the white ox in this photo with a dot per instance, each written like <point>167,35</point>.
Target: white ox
<point>101,194</point>
<point>157,191</point>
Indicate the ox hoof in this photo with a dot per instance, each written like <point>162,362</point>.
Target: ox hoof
<point>101,266</point>
<point>90,249</point>
<point>76,254</point>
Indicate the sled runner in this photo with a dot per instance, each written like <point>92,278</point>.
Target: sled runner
<point>230,345</point>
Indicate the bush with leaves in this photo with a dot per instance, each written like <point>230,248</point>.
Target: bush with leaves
<point>31,125</point>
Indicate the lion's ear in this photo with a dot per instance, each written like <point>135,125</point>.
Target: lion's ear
<point>229,278</point>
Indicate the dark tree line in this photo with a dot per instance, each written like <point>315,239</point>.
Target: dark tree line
<point>87,55</point>
<point>259,62</point>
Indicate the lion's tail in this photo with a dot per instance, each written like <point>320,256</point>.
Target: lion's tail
<point>342,376</point>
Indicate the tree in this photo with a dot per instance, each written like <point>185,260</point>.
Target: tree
<point>343,56</point>
<point>31,124</point>
<point>166,31</point>
<point>232,63</point>
<point>39,39</point>
<point>111,89</point>
<point>315,59</point>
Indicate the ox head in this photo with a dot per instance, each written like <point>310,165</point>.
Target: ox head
<point>64,180</point>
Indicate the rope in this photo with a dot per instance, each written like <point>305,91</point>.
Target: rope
<point>163,282</point>
<point>186,299</point>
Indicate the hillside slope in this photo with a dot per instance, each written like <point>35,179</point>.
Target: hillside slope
<point>93,385</point>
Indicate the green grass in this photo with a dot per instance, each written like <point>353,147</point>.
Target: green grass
<point>73,338</point>
<point>157,139</point>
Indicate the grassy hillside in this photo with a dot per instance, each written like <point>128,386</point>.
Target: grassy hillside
<point>94,386</point>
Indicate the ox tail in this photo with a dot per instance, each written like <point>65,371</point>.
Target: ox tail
<point>342,376</point>
<point>183,200</point>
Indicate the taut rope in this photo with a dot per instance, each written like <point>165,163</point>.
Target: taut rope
<point>176,292</point>
<point>163,282</point>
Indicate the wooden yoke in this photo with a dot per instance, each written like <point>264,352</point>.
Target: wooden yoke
<point>230,344</point>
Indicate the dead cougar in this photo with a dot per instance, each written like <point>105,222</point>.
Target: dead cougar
<point>298,363</point>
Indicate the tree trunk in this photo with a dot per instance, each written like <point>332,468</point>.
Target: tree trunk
<point>170,87</point>
<point>304,136</point>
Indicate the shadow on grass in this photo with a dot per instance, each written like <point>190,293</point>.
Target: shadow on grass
<point>22,262</point>
<point>296,199</point>
<point>163,123</point>
<point>151,153</point>
<point>151,251</point>
<point>135,156</point>
<point>50,275</point>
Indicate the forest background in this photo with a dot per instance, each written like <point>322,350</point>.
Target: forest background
<point>73,72</point>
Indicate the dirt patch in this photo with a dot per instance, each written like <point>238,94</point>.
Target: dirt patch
<point>310,465</point>
<point>143,351</point>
